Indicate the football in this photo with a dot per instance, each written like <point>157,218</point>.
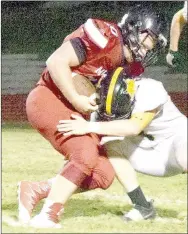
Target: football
<point>83,85</point>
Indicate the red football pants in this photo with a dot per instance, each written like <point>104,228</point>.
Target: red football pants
<point>88,165</point>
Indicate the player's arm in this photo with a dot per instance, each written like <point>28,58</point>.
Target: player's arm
<point>178,21</point>
<point>69,54</point>
<point>59,64</point>
<point>129,127</point>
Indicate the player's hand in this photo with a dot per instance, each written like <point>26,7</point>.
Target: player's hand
<point>77,126</point>
<point>173,58</point>
<point>84,104</point>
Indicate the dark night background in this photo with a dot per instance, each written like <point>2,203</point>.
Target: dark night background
<point>40,26</point>
<point>32,30</point>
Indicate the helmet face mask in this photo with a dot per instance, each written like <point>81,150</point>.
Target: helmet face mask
<point>138,21</point>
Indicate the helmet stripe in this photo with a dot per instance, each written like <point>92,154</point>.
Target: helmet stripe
<point>111,90</point>
<point>130,87</point>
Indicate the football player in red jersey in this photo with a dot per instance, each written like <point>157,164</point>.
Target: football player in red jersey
<point>93,49</point>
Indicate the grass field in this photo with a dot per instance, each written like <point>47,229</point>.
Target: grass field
<point>27,156</point>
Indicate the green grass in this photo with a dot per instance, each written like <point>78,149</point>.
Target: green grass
<point>27,156</point>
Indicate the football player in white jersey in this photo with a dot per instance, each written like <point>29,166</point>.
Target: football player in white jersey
<point>144,131</point>
<point>178,22</point>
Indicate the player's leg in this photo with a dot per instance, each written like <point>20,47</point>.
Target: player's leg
<point>29,194</point>
<point>102,175</point>
<point>126,175</point>
<point>44,111</point>
<point>161,160</point>
<point>180,148</point>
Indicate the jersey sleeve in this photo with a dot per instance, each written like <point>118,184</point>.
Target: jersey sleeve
<point>150,95</point>
<point>185,11</point>
<point>95,34</point>
<point>79,49</point>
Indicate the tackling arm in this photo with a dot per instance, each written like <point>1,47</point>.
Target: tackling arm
<point>128,127</point>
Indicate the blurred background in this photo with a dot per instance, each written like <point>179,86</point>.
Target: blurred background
<point>32,30</point>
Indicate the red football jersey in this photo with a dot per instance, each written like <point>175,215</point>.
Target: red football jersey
<point>103,43</point>
<point>104,47</point>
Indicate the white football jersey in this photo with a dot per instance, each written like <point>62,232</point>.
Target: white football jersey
<point>185,10</point>
<point>150,95</point>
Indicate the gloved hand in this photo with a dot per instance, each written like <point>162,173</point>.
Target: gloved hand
<point>173,58</point>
